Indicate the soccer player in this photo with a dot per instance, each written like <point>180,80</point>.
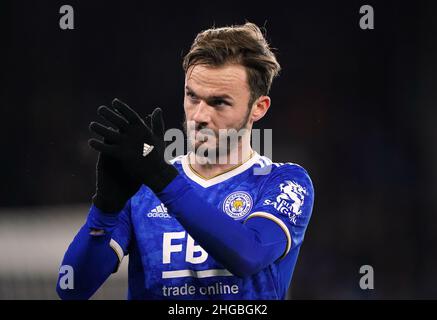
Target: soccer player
<point>195,228</point>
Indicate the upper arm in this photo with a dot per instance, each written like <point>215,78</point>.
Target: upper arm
<point>286,200</point>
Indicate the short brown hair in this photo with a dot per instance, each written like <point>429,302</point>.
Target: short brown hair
<point>242,44</point>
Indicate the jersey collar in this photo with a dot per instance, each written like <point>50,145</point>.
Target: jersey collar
<point>221,177</point>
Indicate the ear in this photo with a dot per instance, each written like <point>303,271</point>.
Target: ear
<point>260,107</point>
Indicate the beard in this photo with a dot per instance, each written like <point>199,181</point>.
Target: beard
<point>214,144</point>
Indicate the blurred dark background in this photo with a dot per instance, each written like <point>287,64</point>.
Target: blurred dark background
<point>355,107</point>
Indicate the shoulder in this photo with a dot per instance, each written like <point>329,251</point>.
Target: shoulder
<point>271,170</point>
<point>276,173</point>
<point>177,163</point>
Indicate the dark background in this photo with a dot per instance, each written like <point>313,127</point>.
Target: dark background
<point>355,107</point>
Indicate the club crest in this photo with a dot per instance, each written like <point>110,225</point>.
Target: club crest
<point>238,204</point>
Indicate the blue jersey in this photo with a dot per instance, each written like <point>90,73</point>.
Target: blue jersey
<point>165,262</point>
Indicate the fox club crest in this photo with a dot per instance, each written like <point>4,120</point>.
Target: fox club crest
<point>238,204</point>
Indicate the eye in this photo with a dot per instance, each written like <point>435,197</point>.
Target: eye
<point>190,94</point>
<point>220,102</point>
<point>192,97</point>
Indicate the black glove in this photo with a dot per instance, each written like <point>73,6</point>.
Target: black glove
<point>140,151</point>
<point>114,186</point>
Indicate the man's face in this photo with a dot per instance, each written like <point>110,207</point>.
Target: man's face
<point>215,98</point>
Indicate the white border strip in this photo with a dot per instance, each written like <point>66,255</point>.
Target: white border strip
<point>117,248</point>
<point>220,178</point>
<point>279,222</point>
<point>196,274</point>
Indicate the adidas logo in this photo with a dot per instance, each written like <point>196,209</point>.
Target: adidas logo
<point>159,212</point>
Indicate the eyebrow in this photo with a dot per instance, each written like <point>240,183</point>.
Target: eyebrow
<point>216,97</point>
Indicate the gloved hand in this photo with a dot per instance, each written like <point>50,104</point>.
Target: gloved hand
<point>134,144</point>
<point>114,186</point>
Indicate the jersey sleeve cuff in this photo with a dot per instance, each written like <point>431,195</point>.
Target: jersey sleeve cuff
<point>101,221</point>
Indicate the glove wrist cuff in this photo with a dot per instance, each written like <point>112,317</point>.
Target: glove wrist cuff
<point>106,206</point>
<point>162,179</point>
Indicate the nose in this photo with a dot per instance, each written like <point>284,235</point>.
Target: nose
<point>202,113</point>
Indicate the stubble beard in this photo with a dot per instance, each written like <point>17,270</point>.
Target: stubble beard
<point>225,143</point>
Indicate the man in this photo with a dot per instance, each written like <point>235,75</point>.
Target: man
<point>204,226</point>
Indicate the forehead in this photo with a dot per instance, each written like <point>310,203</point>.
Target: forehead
<point>206,80</point>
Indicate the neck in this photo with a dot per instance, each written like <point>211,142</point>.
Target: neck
<point>224,163</point>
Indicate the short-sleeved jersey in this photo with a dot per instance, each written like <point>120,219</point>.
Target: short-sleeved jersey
<point>165,262</point>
